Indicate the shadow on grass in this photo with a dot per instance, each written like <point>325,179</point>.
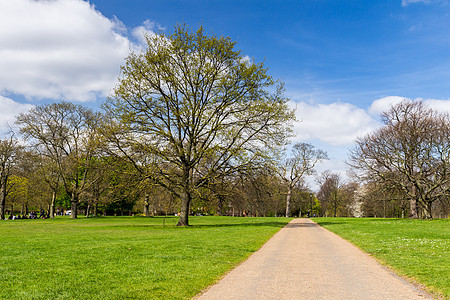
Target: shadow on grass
<point>194,226</point>
<point>270,224</point>
<point>297,225</point>
<point>329,223</point>
<point>159,222</point>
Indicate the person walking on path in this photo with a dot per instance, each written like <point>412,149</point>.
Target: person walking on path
<point>306,261</point>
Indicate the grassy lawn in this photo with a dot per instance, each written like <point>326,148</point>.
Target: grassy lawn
<point>123,257</point>
<point>418,249</point>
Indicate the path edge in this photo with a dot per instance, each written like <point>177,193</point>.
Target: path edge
<point>414,283</point>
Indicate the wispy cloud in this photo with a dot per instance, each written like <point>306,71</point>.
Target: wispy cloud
<point>408,2</point>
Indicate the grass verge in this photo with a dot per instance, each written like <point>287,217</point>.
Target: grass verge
<point>418,249</point>
<point>123,257</point>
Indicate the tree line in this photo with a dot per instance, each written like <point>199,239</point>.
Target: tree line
<point>193,126</point>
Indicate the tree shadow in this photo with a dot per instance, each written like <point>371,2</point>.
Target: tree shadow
<point>329,223</point>
<point>268,224</point>
<point>298,225</point>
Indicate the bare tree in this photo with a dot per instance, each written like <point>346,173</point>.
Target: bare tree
<point>302,162</point>
<point>412,151</point>
<point>67,135</point>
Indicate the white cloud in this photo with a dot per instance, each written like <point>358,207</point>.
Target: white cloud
<point>59,49</point>
<point>334,127</point>
<point>439,105</point>
<point>9,110</point>
<point>147,28</point>
<point>408,2</point>
<point>380,105</point>
<point>336,123</point>
<point>246,60</point>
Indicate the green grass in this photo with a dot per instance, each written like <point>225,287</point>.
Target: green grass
<point>123,257</point>
<point>418,249</point>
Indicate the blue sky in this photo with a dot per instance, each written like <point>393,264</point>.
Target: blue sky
<point>343,62</point>
<point>353,51</point>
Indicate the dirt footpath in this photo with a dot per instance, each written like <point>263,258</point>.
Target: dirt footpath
<point>305,261</point>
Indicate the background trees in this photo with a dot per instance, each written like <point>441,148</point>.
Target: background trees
<point>380,199</point>
<point>330,193</point>
<point>410,153</point>
<point>199,109</point>
<point>337,198</point>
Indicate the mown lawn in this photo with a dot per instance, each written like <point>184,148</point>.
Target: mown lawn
<point>418,249</point>
<point>123,257</point>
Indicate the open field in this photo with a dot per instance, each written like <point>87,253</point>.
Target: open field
<point>418,249</point>
<point>123,257</point>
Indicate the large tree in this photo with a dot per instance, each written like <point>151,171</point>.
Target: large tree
<point>301,163</point>
<point>67,135</point>
<point>411,152</point>
<point>197,108</point>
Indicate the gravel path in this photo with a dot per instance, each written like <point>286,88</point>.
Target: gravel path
<point>306,261</point>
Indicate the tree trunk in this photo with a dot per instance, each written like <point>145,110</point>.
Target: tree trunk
<point>74,206</point>
<point>428,210</point>
<point>95,208</point>
<point>88,210</point>
<point>3,200</point>
<point>152,206</point>
<point>220,202</point>
<point>52,206</point>
<point>184,213</point>
<point>288,201</point>
<point>413,209</point>
<point>413,213</point>
<point>146,206</point>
